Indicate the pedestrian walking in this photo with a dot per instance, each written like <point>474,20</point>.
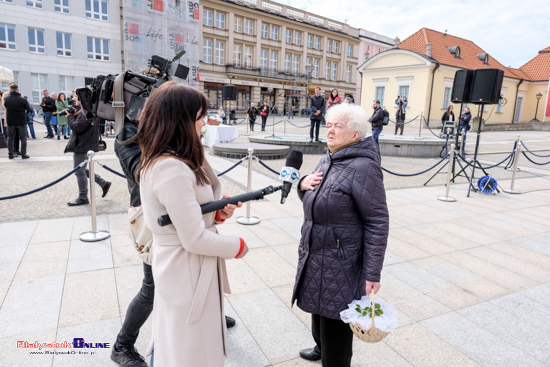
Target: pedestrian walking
<point>264,112</point>
<point>62,122</point>
<point>30,121</point>
<point>48,108</point>
<point>85,137</point>
<point>16,115</point>
<point>377,120</point>
<point>252,112</point>
<point>402,104</point>
<point>317,113</point>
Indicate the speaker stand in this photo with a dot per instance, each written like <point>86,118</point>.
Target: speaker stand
<point>273,136</point>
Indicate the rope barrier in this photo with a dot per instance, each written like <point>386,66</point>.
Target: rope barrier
<point>445,147</point>
<point>110,169</point>
<point>230,168</point>
<point>536,155</point>
<point>415,174</point>
<point>46,186</point>
<point>266,166</point>
<point>405,123</point>
<point>481,167</point>
<point>276,123</point>
<point>511,161</point>
<point>437,136</point>
<point>298,125</point>
<point>538,164</point>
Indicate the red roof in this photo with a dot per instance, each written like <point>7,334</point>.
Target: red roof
<point>538,68</point>
<point>440,41</point>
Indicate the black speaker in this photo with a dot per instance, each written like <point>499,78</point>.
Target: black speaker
<point>229,93</point>
<point>461,86</point>
<point>486,86</point>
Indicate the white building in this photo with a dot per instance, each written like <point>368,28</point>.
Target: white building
<point>58,44</point>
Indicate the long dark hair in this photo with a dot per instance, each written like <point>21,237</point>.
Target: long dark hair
<point>59,97</point>
<point>449,110</point>
<point>167,127</point>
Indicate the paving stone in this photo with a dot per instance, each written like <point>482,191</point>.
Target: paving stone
<point>17,233</point>
<point>291,225</point>
<point>124,252</point>
<point>118,224</point>
<point>540,293</point>
<point>533,245</point>
<point>31,305</point>
<point>10,260</point>
<point>84,224</point>
<point>53,230</point>
<point>242,231</point>
<point>129,280</point>
<point>270,267</point>
<point>285,295</point>
<point>4,286</point>
<point>424,243</point>
<point>11,356</point>
<point>44,259</point>
<point>272,234</point>
<point>524,254</point>
<point>242,278</point>
<point>404,250</point>
<point>289,253</point>
<point>86,256</point>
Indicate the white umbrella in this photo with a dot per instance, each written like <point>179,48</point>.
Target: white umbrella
<point>6,75</point>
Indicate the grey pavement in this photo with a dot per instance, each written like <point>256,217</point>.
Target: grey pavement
<point>470,279</point>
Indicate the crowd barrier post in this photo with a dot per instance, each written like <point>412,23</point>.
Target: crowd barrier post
<point>420,125</point>
<point>248,220</point>
<point>247,126</point>
<point>449,176</point>
<point>94,235</point>
<point>517,153</point>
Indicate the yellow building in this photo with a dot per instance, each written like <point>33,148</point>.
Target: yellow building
<point>422,68</point>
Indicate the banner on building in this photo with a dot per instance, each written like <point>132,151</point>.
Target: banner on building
<point>163,28</point>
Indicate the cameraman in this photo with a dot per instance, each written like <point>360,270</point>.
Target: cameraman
<point>85,137</point>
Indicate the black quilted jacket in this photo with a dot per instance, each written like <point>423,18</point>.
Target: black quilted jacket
<point>345,231</point>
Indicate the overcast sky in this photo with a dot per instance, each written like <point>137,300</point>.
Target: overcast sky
<point>511,31</point>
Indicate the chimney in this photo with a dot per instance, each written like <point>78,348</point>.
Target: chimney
<point>428,49</point>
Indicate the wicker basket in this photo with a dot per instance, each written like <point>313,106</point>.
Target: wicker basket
<point>213,121</point>
<point>372,335</point>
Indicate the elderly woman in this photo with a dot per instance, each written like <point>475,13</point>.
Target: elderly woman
<point>344,235</point>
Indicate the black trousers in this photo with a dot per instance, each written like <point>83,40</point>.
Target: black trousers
<point>17,133</point>
<point>264,121</point>
<point>251,124</point>
<point>317,125</point>
<point>334,340</point>
<point>400,123</point>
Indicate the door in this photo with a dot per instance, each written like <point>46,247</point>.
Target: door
<point>519,109</point>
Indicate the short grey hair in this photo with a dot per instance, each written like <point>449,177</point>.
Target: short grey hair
<point>354,115</point>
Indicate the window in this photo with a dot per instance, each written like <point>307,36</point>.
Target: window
<point>98,49</point>
<point>207,17</point>
<point>36,40</point>
<point>309,41</point>
<point>296,64</point>
<point>220,20</point>
<point>62,6</point>
<point>39,83</point>
<point>447,97</point>
<point>335,47</point>
<point>329,43</point>
<point>220,53</point>
<point>327,70</point>
<point>297,38</point>
<point>7,36</point>
<point>317,43</point>
<point>265,31</point>
<point>273,65</point>
<point>247,56</point>
<point>263,62</point>
<point>334,68</point>
<point>287,63</point>
<point>238,25</point>
<point>66,84</point>
<point>35,4</point>
<point>380,93</point>
<point>308,62</point>
<point>404,91</point>
<point>500,104</point>
<point>237,55</point>
<point>248,26</point>
<point>6,1</point>
<point>63,44</point>
<point>96,9</point>
<point>207,51</point>
<point>350,50</point>
<point>315,68</point>
<point>288,36</point>
<point>274,33</point>
<point>348,74</point>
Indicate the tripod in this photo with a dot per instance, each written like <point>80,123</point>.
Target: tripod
<point>273,136</point>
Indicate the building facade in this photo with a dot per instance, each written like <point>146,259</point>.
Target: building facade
<point>58,44</point>
<point>274,52</point>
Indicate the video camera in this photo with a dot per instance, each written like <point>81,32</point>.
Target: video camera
<point>123,96</point>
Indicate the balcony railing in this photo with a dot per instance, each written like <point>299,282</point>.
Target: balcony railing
<point>264,72</point>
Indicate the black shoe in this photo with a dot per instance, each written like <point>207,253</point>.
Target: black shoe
<point>24,156</point>
<point>11,156</point>
<point>78,202</point>
<point>58,137</point>
<point>65,137</point>
<point>229,322</point>
<point>34,137</point>
<point>128,357</point>
<point>106,189</point>
<point>17,153</point>
<point>311,140</point>
<point>310,354</point>
<point>317,140</point>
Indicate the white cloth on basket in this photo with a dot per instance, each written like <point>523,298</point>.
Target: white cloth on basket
<point>387,322</point>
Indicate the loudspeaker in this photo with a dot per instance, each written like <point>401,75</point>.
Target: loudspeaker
<point>486,86</point>
<point>461,86</point>
<point>229,93</point>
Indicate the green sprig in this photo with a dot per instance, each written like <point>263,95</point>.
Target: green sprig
<point>368,310</point>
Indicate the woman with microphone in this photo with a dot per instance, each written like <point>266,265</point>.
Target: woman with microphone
<point>188,255</point>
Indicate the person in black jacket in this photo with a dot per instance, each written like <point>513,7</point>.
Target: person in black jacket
<point>464,126</point>
<point>317,113</point>
<point>85,137</point>
<point>16,116</point>
<point>48,108</point>
<point>376,120</point>
<point>344,235</point>
<point>252,112</point>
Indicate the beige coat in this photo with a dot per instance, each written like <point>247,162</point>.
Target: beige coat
<point>188,266</point>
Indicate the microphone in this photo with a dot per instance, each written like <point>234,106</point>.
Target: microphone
<point>290,173</point>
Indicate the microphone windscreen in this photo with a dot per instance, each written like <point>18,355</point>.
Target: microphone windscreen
<point>294,159</point>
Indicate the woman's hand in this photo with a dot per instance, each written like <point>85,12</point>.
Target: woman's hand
<point>227,211</point>
<point>310,181</point>
<point>372,286</point>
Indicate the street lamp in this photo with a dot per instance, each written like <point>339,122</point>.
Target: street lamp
<point>539,96</point>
